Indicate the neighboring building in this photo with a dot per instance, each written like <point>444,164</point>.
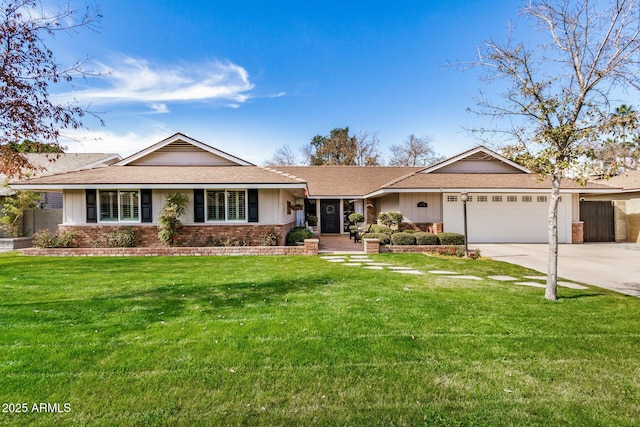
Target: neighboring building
<point>614,216</point>
<point>49,215</point>
<point>231,197</point>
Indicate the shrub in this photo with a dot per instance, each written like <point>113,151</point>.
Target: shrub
<point>451,239</point>
<point>271,238</point>
<point>390,218</point>
<point>168,222</point>
<point>298,234</point>
<point>375,228</point>
<point>426,239</point>
<point>356,218</point>
<point>409,230</point>
<point>451,251</point>
<point>126,237</point>
<point>47,239</point>
<point>403,239</point>
<point>474,254</point>
<point>384,238</point>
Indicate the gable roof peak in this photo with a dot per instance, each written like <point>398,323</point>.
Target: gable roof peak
<point>178,139</point>
<point>479,152</point>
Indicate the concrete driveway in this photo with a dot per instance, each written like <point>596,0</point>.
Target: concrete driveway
<point>614,266</point>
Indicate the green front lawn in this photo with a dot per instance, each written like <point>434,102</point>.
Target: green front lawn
<point>301,341</point>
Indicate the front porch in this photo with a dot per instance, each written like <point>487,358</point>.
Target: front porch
<point>339,243</point>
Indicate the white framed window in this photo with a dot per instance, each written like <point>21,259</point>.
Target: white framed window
<point>452,198</point>
<point>482,199</point>
<point>527,199</point>
<point>226,205</point>
<point>496,198</point>
<point>512,199</point>
<point>119,205</point>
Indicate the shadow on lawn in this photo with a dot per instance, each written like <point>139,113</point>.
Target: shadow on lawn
<point>172,300</point>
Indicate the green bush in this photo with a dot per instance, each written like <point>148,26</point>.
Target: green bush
<point>298,234</point>
<point>451,239</point>
<point>47,239</point>
<point>125,237</point>
<point>375,228</point>
<point>426,239</point>
<point>356,218</point>
<point>409,230</point>
<point>390,218</point>
<point>384,238</point>
<point>403,239</point>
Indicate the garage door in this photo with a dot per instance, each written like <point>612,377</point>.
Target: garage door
<point>506,218</point>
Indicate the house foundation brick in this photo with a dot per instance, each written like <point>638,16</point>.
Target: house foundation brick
<point>438,227</point>
<point>577,232</point>
<point>371,246</point>
<point>310,248</point>
<point>188,236</point>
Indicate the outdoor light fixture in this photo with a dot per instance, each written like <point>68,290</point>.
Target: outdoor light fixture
<point>464,196</point>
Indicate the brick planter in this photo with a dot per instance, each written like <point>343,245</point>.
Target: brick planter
<point>310,248</point>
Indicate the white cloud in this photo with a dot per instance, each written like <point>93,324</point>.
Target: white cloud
<point>134,80</point>
<point>103,141</point>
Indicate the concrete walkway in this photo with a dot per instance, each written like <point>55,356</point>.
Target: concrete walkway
<point>614,266</point>
<point>339,244</point>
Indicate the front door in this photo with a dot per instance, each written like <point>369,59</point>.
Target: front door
<point>329,216</point>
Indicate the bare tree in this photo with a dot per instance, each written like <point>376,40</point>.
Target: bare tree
<point>283,156</point>
<point>556,101</point>
<point>27,69</point>
<point>414,151</point>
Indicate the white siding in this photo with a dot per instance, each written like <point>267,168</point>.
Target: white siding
<point>74,209</point>
<point>504,221</point>
<point>268,209</point>
<point>192,158</point>
<point>389,203</point>
<point>408,205</point>
<point>478,166</point>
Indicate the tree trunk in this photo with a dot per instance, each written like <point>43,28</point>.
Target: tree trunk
<point>552,268</point>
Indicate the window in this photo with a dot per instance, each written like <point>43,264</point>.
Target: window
<point>496,198</point>
<point>527,199</point>
<point>512,199</point>
<point>226,205</point>
<point>482,198</point>
<point>215,206</point>
<point>119,205</point>
<point>541,199</point>
<point>237,206</point>
<point>452,198</point>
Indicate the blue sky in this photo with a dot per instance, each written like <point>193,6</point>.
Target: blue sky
<point>249,77</point>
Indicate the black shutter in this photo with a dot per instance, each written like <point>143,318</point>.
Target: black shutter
<point>147,212</point>
<point>252,197</point>
<point>198,205</point>
<point>92,206</point>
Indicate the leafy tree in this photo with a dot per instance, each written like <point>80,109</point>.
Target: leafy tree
<point>620,151</point>
<point>169,223</point>
<point>340,148</point>
<point>414,151</point>
<point>27,146</point>
<point>27,69</point>
<point>555,102</point>
<point>14,207</point>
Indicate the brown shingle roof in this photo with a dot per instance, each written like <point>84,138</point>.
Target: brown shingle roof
<point>148,175</point>
<point>484,181</point>
<point>629,180</point>
<point>347,181</point>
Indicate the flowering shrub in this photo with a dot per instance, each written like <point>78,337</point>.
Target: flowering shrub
<point>47,239</point>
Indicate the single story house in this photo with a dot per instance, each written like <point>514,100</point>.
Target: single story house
<point>231,198</point>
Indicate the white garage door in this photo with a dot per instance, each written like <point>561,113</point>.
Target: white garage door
<point>506,218</point>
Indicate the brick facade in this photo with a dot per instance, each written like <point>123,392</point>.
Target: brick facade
<point>189,235</point>
<point>577,232</point>
<point>310,248</point>
<point>429,227</point>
